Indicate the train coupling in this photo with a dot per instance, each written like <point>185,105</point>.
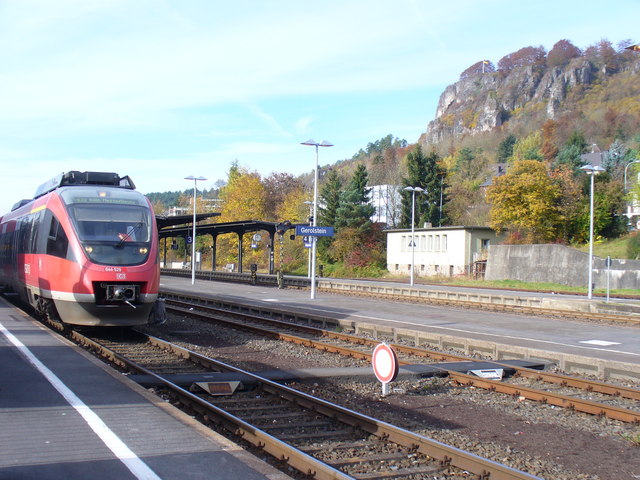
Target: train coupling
<point>123,293</point>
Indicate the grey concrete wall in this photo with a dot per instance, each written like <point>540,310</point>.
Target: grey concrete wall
<point>558,264</point>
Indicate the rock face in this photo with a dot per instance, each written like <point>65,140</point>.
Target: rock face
<point>484,101</point>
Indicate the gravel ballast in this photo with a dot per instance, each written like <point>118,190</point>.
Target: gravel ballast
<point>543,440</point>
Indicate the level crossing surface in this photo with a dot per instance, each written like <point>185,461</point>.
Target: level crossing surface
<point>65,415</point>
<point>599,341</point>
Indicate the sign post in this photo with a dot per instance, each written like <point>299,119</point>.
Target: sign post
<point>385,365</point>
<point>608,264</point>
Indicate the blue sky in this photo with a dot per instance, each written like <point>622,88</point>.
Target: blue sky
<point>162,89</point>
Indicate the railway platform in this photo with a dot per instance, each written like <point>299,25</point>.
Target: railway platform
<point>65,415</point>
<point>603,350</point>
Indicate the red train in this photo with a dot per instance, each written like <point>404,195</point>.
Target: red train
<point>83,251</point>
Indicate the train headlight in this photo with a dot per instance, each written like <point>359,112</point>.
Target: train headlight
<point>143,250</point>
<point>88,249</point>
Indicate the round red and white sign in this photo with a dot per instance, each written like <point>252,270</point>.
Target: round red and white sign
<point>385,363</point>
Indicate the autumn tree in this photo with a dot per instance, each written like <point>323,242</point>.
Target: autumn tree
<point>569,202</point>
<point>292,206</point>
<point>528,148</point>
<point>562,53</point>
<point>524,201</point>
<point>521,58</point>
<point>243,199</point>
<point>604,53</point>
<point>277,187</point>
<point>360,253</point>
<point>548,148</point>
<point>293,209</point>
<point>469,170</point>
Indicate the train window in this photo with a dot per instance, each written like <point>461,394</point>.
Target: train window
<point>113,234</point>
<point>57,242</point>
<point>113,224</point>
<point>6,241</point>
<point>24,227</point>
<point>35,227</point>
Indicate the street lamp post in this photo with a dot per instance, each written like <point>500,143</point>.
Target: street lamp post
<point>309,254</point>
<point>592,171</point>
<point>193,239</point>
<point>315,212</point>
<point>413,191</point>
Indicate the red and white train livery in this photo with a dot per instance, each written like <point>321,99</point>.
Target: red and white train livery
<point>84,251</point>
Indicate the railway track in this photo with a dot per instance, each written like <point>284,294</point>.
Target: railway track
<point>581,395</point>
<point>434,296</point>
<point>320,439</point>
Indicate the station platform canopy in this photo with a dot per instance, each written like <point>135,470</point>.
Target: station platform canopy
<point>240,228</point>
<point>165,221</point>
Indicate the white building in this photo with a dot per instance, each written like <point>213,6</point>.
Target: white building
<point>446,251</point>
<point>387,200</point>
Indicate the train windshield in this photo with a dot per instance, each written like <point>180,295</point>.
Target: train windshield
<point>116,232</point>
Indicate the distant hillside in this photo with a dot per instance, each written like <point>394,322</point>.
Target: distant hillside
<point>596,92</point>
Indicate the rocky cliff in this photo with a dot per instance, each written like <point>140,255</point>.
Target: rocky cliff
<point>484,101</point>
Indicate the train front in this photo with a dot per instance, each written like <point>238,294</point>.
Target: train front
<point>117,254</point>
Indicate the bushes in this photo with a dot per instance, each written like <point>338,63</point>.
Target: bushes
<point>633,246</point>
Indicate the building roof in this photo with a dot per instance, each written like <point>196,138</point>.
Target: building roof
<point>440,229</point>
<point>593,158</point>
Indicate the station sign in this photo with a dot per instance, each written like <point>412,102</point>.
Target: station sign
<point>317,231</point>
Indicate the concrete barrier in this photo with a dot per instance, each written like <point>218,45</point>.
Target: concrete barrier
<point>559,264</point>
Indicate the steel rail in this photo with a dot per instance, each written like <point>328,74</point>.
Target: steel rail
<point>565,401</point>
<point>445,454</point>
<point>210,413</point>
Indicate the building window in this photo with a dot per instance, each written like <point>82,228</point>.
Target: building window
<point>444,243</point>
<point>484,243</point>
<point>451,270</point>
<point>429,243</point>
<point>436,244</point>
<point>397,267</point>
